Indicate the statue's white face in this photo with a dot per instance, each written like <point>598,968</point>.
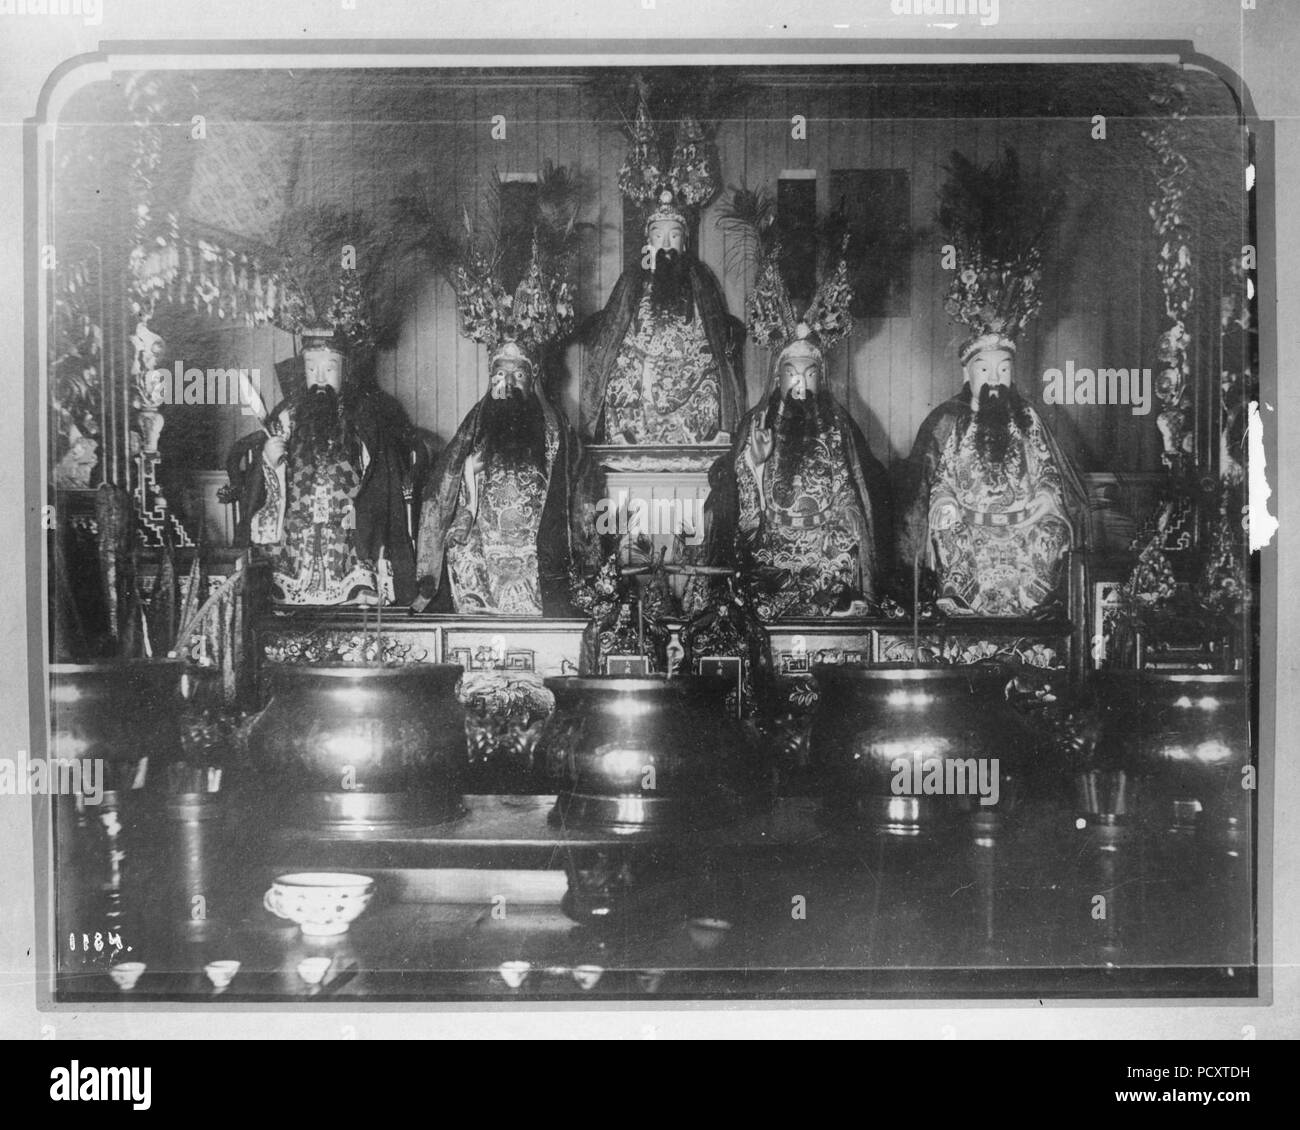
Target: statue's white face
<point>509,374</point>
<point>800,377</point>
<point>323,367</point>
<point>988,367</point>
<point>666,234</point>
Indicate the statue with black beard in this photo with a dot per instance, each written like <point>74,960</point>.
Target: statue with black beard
<point>993,506</point>
<point>799,503</point>
<point>495,533</point>
<point>328,501</point>
<point>663,367</point>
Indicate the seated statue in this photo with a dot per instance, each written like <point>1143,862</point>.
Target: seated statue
<point>498,526</point>
<point>992,501</point>
<point>663,367</point>
<point>800,504</point>
<point>327,493</point>
<point>494,527</point>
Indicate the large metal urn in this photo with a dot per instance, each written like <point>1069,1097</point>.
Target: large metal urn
<point>119,712</point>
<point>112,725</point>
<point>638,753</point>
<point>352,747</point>
<point>1188,735</point>
<point>901,750</point>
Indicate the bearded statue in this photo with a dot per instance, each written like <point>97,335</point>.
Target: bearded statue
<point>993,506</point>
<point>663,368</point>
<point>495,525</point>
<point>799,504</point>
<point>327,494</point>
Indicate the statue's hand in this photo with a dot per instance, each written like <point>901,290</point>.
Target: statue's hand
<point>943,515</point>
<point>275,449</point>
<point>762,442</point>
<point>1042,505</point>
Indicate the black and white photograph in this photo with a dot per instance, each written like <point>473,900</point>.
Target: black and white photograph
<point>671,523</point>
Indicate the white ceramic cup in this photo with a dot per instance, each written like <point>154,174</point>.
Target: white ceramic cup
<point>126,973</point>
<point>313,969</point>
<point>587,976</point>
<point>650,979</point>
<point>514,973</point>
<point>221,973</point>
<point>323,903</point>
<point>708,933</point>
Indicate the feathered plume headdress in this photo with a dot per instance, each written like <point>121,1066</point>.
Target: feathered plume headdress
<point>538,312</point>
<point>998,223</point>
<point>687,181</point>
<point>540,309</point>
<point>332,264</point>
<point>774,321</point>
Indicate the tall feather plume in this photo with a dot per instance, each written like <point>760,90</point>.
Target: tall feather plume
<point>541,308</point>
<point>750,220</point>
<point>828,313</point>
<point>998,221</point>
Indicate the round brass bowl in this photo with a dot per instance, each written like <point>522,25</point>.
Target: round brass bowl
<point>120,712</point>
<point>878,729</point>
<point>1188,735</point>
<point>636,753</point>
<point>355,747</point>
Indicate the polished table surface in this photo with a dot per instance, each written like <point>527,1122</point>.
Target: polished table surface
<point>1041,907</point>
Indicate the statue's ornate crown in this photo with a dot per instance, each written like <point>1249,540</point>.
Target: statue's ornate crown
<point>666,212</point>
<point>772,318</point>
<point>323,337</point>
<point>540,310</point>
<point>995,288</point>
<point>690,180</point>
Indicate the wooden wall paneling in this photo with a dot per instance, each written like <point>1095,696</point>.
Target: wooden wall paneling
<point>574,148</point>
<point>734,276</point>
<point>1044,340</point>
<point>764,154</point>
<point>611,150</point>
<point>1117,313</point>
<point>438,386</point>
<point>925,260</point>
<point>418,385</point>
<point>397,368</point>
<point>945,379</point>
<point>895,152</point>
<point>1096,341</point>
<point>842,130</point>
<point>734,137</point>
<point>1147,314</point>
<point>870,396</point>
<point>601,149</point>
<point>1100,301</point>
<point>471,168</point>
